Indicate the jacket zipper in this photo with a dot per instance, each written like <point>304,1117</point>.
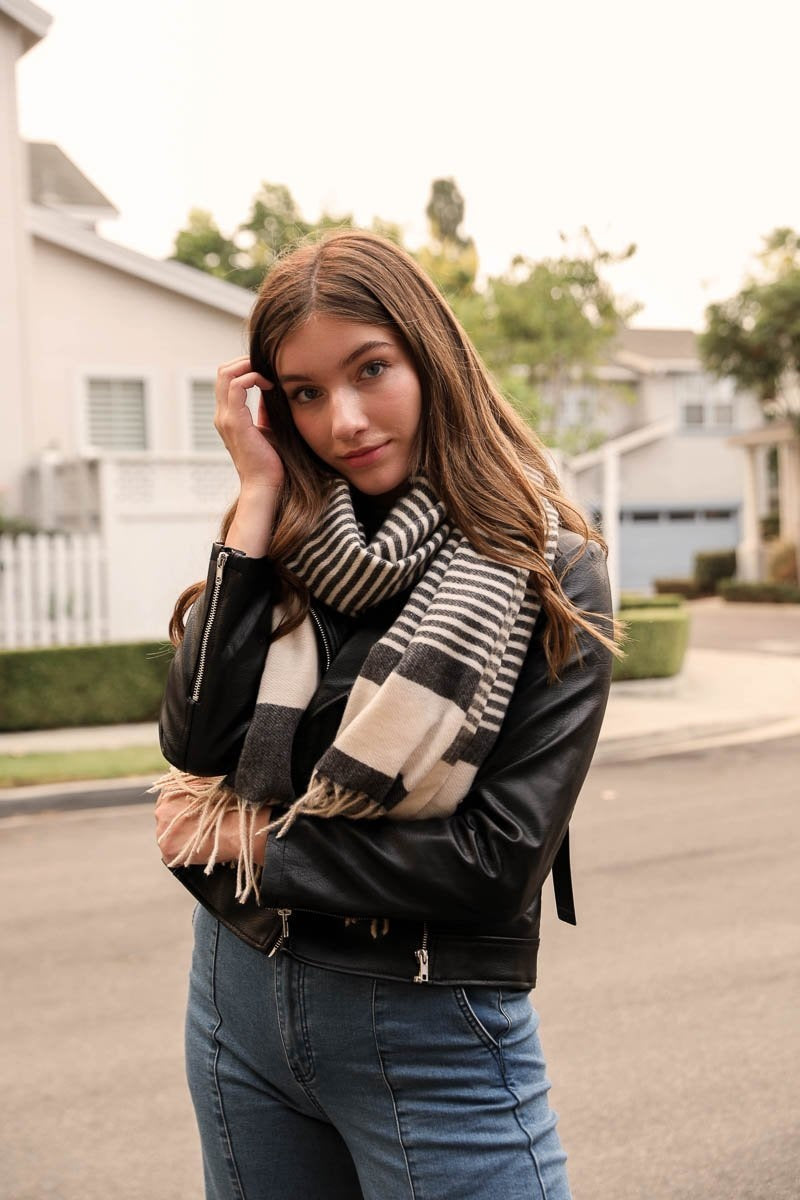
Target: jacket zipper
<point>324,639</point>
<point>222,558</point>
<point>422,957</point>
<point>284,914</point>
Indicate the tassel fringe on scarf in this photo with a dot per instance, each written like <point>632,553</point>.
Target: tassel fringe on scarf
<point>427,705</point>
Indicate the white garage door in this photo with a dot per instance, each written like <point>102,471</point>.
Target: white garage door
<point>660,543</point>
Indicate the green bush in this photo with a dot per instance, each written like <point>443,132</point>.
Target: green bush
<point>782,563</point>
<point>655,645</point>
<point>712,565</point>
<point>662,600</point>
<point>765,593</point>
<point>82,685</point>
<point>688,588</point>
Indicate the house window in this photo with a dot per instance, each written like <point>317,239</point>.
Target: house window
<point>705,403</point>
<point>116,414</point>
<point>202,403</point>
<point>694,415</point>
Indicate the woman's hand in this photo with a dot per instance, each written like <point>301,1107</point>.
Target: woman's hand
<point>229,846</point>
<point>247,441</point>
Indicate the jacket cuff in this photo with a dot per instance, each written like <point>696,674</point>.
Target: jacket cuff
<point>260,570</point>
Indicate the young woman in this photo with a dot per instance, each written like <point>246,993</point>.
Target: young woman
<point>380,716</point>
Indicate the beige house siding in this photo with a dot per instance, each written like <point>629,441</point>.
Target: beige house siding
<point>91,320</point>
<point>14,276</point>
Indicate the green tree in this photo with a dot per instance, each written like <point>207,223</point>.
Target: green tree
<point>274,223</point>
<point>754,337</point>
<point>450,259</point>
<point>202,245</point>
<point>544,326</point>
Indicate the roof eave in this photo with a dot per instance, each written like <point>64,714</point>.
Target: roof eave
<point>33,21</point>
<point>175,277</point>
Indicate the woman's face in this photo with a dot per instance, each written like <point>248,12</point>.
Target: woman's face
<point>355,399</point>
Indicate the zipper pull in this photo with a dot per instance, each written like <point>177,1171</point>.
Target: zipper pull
<point>422,959</point>
<point>284,914</point>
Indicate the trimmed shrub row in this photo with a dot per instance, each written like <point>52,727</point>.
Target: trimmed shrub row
<point>765,593</point>
<point>664,600</point>
<point>655,645</point>
<point>687,589</point>
<point>82,685</point>
<point>714,571</point>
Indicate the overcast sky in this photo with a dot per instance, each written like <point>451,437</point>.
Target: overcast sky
<point>674,125</point>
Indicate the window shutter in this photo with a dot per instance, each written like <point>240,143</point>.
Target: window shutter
<point>116,414</point>
<point>201,417</point>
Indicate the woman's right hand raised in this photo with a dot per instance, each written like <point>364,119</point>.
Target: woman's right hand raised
<point>247,441</point>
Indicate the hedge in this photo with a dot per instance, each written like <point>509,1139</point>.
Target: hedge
<point>663,600</point>
<point>655,645</point>
<point>765,593</point>
<point>782,563</point>
<point>82,685</point>
<point>688,588</point>
<point>712,565</point>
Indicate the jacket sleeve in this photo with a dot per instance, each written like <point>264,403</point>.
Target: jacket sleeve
<point>492,856</point>
<point>213,679</point>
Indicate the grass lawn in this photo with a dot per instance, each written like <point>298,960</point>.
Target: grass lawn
<point>19,769</point>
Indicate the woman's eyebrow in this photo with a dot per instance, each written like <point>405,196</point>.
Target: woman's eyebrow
<point>373,344</point>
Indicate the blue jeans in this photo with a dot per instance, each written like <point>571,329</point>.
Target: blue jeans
<point>311,1084</point>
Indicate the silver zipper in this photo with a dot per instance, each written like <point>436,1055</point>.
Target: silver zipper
<point>422,957</point>
<point>318,624</point>
<point>284,914</point>
<point>222,558</point>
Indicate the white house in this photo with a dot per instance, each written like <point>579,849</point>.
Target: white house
<point>679,481</point>
<point>109,359</point>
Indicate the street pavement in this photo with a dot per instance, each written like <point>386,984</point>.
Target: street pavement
<point>669,1015</point>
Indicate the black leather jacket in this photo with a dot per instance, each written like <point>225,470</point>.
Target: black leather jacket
<point>462,894</point>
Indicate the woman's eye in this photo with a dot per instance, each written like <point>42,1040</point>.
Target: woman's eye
<point>305,395</point>
<point>373,369</point>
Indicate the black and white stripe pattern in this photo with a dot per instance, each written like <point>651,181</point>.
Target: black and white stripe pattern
<point>433,691</point>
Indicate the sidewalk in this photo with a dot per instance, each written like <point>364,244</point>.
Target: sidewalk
<point>720,698</point>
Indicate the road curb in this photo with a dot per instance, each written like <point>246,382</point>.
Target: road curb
<point>638,749</point>
<point>118,793</point>
<point>71,797</point>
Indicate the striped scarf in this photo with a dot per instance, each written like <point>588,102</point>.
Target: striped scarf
<point>431,695</point>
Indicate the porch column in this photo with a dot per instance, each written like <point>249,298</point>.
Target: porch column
<point>611,517</point>
<point>748,552</point>
<point>789,490</point>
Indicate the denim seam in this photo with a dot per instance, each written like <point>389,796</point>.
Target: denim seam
<point>235,1178</point>
<point>511,1091</point>
<point>279,1009</point>
<point>389,1090</point>
<point>301,1005</point>
<point>474,1022</point>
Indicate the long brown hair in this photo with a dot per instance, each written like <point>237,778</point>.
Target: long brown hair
<point>472,446</point>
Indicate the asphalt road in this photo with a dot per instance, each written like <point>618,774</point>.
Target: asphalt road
<point>669,1016</point>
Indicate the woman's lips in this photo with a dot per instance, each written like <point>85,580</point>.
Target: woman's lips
<point>367,458</point>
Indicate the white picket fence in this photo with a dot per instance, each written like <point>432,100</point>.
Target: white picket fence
<point>52,590</point>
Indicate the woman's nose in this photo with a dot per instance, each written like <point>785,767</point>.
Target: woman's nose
<point>347,414</point>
